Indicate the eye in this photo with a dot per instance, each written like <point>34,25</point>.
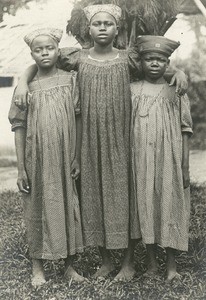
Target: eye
<point>109,23</point>
<point>50,48</point>
<point>95,24</point>
<point>162,60</point>
<point>37,50</point>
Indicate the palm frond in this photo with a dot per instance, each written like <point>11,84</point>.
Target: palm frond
<point>139,17</point>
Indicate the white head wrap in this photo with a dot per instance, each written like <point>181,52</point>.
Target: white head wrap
<point>111,9</point>
<point>54,33</point>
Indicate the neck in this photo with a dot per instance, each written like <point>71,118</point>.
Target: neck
<point>47,72</point>
<point>103,49</point>
<point>155,80</point>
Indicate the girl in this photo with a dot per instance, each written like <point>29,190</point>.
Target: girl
<point>106,111</point>
<point>45,138</point>
<point>161,126</point>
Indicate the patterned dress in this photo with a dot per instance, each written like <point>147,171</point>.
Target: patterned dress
<point>106,117</point>
<point>52,212</point>
<point>162,207</point>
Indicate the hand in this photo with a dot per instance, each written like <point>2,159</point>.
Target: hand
<point>180,79</point>
<point>186,176</point>
<point>75,169</point>
<point>21,98</point>
<point>22,182</point>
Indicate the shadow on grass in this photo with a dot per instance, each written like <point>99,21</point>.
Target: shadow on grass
<point>16,266</point>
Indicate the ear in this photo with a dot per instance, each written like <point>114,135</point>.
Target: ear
<point>117,30</point>
<point>58,52</point>
<point>89,30</point>
<point>168,62</point>
<point>32,55</point>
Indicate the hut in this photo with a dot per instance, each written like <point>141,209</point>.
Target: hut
<point>14,53</point>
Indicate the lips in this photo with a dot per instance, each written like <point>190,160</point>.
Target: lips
<point>46,60</point>
<point>154,71</point>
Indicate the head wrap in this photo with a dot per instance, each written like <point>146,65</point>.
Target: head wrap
<point>54,33</point>
<point>111,9</point>
<point>160,44</point>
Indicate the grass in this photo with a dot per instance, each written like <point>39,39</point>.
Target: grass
<point>198,139</point>
<point>7,156</point>
<point>16,267</point>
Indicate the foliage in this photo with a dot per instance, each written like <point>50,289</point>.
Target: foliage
<point>16,265</point>
<point>195,68</point>
<point>138,18</point>
<point>11,6</point>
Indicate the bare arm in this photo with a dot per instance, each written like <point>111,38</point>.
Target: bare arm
<point>177,77</point>
<point>20,138</point>
<point>22,88</point>
<point>185,159</point>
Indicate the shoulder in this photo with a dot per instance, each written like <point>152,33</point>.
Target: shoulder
<point>135,87</point>
<point>137,84</point>
<point>70,51</point>
<point>123,53</point>
<point>170,91</point>
<point>66,77</point>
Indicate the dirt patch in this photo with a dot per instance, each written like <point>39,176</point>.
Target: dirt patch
<point>198,166</point>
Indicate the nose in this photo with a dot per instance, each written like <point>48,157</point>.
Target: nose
<point>102,27</point>
<point>44,51</point>
<point>155,62</point>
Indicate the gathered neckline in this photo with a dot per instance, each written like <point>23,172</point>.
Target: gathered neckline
<point>103,60</point>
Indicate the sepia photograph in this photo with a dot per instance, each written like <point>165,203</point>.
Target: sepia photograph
<point>103,149</point>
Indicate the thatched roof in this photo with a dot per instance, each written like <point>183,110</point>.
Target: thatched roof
<point>14,53</point>
<point>189,7</point>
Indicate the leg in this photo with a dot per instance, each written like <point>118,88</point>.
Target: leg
<point>38,277</point>
<point>152,265</point>
<point>127,271</point>
<point>70,273</point>
<point>107,265</point>
<point>171,265</point>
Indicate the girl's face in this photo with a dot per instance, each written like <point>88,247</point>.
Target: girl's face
<point>44,51</point>
<point>154,65</point>
<point>103,28</point>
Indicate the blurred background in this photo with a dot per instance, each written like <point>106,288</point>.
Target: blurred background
<point>182,20</point>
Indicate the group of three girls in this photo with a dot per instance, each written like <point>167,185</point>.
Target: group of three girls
<point>113,190</point>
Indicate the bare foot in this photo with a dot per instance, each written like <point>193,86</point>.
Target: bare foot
<point>152,270</point>
<point>38,277</point>
<point>125,274</point>
<point>171,266</point>
<point>103,271</point>
<point>70,273</point>
<point>173,276</point>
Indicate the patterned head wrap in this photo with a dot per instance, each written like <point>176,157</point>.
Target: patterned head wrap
<point>160,44</point>
<point>111,9</point>
<point>54,33</point>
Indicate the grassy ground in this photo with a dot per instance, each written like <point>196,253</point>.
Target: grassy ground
<point>16,266</point>
<point>198,139</point>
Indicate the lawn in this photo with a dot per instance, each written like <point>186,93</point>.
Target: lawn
<point>16,266</point>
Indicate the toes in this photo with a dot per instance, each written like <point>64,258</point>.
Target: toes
<point>173,277</point>
<point>124,276</point>
<point>37,281</point>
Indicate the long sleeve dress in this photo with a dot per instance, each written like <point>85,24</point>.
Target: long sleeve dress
<point>52,213</point>
<point>159,117</point>
<point>105,160</point>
